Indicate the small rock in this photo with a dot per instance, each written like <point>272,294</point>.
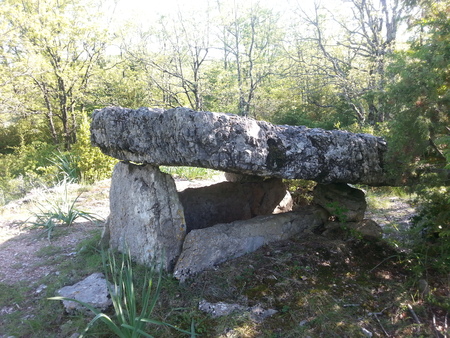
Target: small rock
<point>257,313</point>
<point>41,288</point>
<point>219,309</point>
<point>93,290</point>
<point>366,333</point>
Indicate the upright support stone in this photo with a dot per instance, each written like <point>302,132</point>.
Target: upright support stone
<point>147,218</point>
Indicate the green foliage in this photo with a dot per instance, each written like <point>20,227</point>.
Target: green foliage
<point>419,140</point>
<point>419,98</point>
<point>90,162</point>
<point>59,212</point>
<point>129,321</point>
<point>338,212</point>
<point>29,166</point>
<point>65,163</point>
<point>300,190</point>
<point>39,163</point>
<point>294,116</point>
<point>432,226</point>
<point>60,48</point>
<point>189,173</point>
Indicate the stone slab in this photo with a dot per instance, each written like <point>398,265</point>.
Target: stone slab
<point>235,144</point>
<point>205,248</point>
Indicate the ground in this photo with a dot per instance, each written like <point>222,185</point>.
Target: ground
<point>320,287</point>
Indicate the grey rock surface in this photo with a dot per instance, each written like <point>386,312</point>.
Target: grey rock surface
<point>256,313</point>
<point>230,201</point>
<point>146,217</point>
<point>367,229</point>
<point>346,203</point>
<point>205,248</point>
<point>183,137</point>
<point>92,290</point>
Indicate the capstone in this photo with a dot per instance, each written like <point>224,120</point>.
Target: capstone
<point>235,144</point>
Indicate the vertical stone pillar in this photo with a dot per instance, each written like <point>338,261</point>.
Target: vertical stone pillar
<point>146,218</point>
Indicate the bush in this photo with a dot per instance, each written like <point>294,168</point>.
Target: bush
<point>90,162</point>
<point>433,224</point>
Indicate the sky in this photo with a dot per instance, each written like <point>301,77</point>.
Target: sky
<point>149,9</point>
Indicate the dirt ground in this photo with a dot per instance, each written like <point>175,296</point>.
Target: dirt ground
<point>302,264</point>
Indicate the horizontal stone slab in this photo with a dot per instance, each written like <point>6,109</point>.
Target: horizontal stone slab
<point>183,137</point>
<point>205,248</point>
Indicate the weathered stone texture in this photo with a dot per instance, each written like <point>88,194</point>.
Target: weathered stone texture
<point>236,144</point>
<point>92,290</point>
<point>205,248</point>
<point>230,201</point>
<point>147,217</point>
<point>341,200</point>
<point>367,229</point>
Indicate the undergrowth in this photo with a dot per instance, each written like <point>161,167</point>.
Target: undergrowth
<point>58,211</point>
<point>131,318</point>
<point>320,287</point>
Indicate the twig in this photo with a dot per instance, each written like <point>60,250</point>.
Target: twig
<point>375,314</point>
<point>384,260</point>
<point>413,314</point>
<point>382,327</point>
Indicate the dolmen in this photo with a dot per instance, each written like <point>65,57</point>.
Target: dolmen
<point>195,229</point>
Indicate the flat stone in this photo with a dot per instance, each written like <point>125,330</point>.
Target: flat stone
<point>235,144</point>
<point>92,290</point>
<point>205,248</point>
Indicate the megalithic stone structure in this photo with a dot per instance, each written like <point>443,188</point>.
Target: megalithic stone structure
<point>148,216</point>
<point>183,137</point>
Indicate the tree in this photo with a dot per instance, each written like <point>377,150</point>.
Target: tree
<point>352,53</point>
<point>419,98</point>
<point>251,40</point>
<point>54,48</point>
<point>173,54</point>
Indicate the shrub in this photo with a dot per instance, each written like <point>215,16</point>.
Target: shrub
<point>60,211</point>
<point>432,224</point>
<point>91,163</point>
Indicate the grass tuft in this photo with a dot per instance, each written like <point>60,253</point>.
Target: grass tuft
<point>58,212</point>
<point>131,317</point>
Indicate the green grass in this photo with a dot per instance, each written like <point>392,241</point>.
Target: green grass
<point>58,211</point>
<point>189,173</point>
<point>308,281</point>
<point>131,318</point>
